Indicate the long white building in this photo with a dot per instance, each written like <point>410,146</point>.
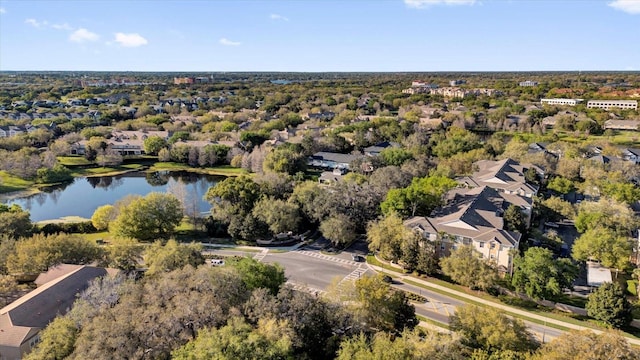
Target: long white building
<point>567,102</point>
<point>607,104</point>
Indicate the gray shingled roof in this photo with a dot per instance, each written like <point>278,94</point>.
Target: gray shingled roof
<point>35,310</point>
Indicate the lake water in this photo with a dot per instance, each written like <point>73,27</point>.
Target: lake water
<point>84,195</point>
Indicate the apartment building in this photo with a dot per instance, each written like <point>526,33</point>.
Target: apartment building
<point>607,104</point>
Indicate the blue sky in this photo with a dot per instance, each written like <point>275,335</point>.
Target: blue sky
<point>301,35</point>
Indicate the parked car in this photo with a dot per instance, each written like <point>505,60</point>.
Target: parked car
<point>217,262</point>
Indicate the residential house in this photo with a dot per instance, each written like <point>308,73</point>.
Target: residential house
<point>324,116</point>
<point>11,130</point>
<point>124,142</point>
<point>473,217</point>
<point>632,155</point>
<point>375,150</point>
<point>331,177</point>
<point>633,125</point>
<point>22,320</point>
<point>329,160</point>
<point>506,176</point>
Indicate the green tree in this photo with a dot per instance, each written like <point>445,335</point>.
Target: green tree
<point>37,253</point>
<point>419,198</point>
<point>339,229</point>
<point>606,213</point>
<point>539,275</point>
<point>411,345</point>
<point>240,191</point>
<point>161,258</point>
<point>256,275</point>
<point>281,216</point>
<point>491,329</point>
<point>57,340</point>
<point>239,340</point>
<point>561,185</point>
<point>8,287</point>
<point>556,209</point>
<point>454,141</point>
<point>386,236</point>
<point>284,159</point>
<point>514,219</point>
<point>15,222</point>
<point>585,344</point>
<point>609,304</point>
<point>395,156</point>
<point>124,254</point>
<point>466,268</point>
<point>153,144</point>
<point>103,216</point>
<point>153,216</point>
<point>383,308</point>
<point>604,245</point>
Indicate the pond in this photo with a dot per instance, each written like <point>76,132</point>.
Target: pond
<point>84,195</point>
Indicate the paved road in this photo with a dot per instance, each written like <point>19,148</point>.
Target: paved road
<point>313,271</point>
<point>309,270</point>
<point>439,307</point>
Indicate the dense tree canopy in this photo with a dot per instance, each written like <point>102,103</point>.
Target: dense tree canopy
<point>37,253</point>
<point>609,304</point>
<point>419,198</point>
<point>466,268</point>
<point>539,275</point>
<point>153,216</point>
<point>490,329</point>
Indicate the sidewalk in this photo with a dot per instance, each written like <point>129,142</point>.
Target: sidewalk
<point>493,304</point>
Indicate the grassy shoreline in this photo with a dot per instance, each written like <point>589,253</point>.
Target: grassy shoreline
<point>12,187</point>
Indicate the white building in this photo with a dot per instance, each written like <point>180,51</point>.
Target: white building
<point>566,102</point>
<point>607,104</point>
<point>529,83</point>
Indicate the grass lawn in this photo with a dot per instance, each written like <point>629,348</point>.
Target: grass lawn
<point>9,183</point>
<point>106,171</point>
<point>71,161</point>
<point>223,170</point>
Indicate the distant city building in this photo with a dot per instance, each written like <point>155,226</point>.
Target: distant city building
<point>420,84</point>
<point>529,83</point>
<point>567,102</point>
<point>456,82</point>
<point>607,104</point>
<point>183,80</point>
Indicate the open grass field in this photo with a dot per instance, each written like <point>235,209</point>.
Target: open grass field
<point>10,183</point>
<point>223,170</point>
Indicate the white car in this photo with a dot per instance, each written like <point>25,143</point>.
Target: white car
<point>217,262</point>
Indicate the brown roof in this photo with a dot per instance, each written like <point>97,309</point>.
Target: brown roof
<point>504,174</point>
<point>26,316</point>
<point>474,213</point>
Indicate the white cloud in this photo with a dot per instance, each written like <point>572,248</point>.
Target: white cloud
<point>227,42</point>
<point>130,40</point>
<point>423,4</point>
<point>628,6</point>
<point>3,10</point>
<point>64,26</point>
<point>35,23</point>
<point>278,17</point>
<point>83,35</point>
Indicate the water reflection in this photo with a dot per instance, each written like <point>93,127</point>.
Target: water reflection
<point>81,197</point>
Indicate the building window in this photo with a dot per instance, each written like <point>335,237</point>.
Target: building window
<point>481,244</point>
<point>493,257</point>
<point>493,245</point>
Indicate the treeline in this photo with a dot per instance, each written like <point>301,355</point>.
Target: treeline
<point>243,311</point>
